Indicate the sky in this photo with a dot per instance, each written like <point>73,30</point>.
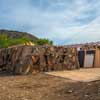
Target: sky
<point>62,21</point>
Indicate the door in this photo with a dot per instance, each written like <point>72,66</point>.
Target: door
<point>89,59</point>
<point>81,55</point>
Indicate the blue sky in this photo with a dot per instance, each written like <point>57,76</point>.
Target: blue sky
<point>63,21</point>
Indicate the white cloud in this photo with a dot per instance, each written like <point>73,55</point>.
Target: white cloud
<point>57,21</point>
<point>87,33</point>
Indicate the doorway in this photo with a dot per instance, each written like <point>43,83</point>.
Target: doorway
<point>81,56</point>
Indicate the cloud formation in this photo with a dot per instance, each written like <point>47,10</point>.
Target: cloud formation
<point>63,21</point>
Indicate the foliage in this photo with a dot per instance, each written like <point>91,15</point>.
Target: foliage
<point>5,41</point>
<point>44,42</point>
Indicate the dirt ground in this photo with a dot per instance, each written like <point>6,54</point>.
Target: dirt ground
<point>82,75</point>
<point>46,87</point>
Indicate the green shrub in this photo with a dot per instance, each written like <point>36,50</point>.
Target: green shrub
<point>44,42</point>
<point>6,41</point>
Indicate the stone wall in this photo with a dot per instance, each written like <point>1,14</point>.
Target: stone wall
<point>30,59</point>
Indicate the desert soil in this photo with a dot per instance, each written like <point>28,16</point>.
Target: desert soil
<point>46,87</point>
<point>82,75</point>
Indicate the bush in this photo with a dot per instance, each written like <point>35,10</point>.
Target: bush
<point>44,42</point>
<point>6,41</point>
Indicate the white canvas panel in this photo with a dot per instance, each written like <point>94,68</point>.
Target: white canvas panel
<point>89,60</point>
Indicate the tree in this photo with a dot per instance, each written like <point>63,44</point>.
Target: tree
<point>44,42</point>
